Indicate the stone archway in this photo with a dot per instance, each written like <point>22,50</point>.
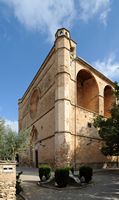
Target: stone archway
<point>33,156</point>
<point>87,91</point>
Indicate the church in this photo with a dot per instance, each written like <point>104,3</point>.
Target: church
<point>59,107</point>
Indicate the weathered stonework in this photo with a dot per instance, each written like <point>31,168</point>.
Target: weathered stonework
<point>61,102</point>
<point>7,181</point>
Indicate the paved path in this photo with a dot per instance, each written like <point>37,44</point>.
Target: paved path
<point>105,187</point>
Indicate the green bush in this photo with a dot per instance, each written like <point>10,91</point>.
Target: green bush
<point>18,187</point>
<point>86,172</point>
<point>44,170</point>
<point>72,169</point>
<point>18,183</point>
<point>62,176</point>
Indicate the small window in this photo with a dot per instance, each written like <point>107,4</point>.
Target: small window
<point>89,125</point>
<point>61,32</point>
<point>66,34</point>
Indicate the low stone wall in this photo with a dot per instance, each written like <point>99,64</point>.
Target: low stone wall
<point>7,181</point>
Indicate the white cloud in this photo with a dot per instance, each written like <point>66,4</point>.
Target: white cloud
<point>90,8</point>
<point>109,66</point>
<point>12,124</point>
<point>46,15</point>
<point>49,15</point>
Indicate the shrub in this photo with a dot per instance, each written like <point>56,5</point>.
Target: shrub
<point>18,183</point>
<point>62,176</point>
<point>86,172</point>
<point>72,169</point>
<point>18,187</point>
<point>44,170</point>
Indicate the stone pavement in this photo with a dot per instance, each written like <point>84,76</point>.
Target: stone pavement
<point>105,187</point>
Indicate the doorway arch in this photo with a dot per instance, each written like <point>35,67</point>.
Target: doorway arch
<point>33,150</point>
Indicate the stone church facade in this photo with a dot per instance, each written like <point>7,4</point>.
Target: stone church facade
<point>60,104</point>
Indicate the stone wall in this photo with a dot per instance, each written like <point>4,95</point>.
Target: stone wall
<point>7,181</point>
<point>42,119</point>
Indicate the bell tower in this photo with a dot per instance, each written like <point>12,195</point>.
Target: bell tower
<point>65,49</point>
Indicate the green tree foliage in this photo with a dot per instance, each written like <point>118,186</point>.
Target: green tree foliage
<point>11,142</point>
<point>109,129</point>
<point>117,90</point>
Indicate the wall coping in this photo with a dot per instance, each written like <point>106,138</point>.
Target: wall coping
<point>2,162</point>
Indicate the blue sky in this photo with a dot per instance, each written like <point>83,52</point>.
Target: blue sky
<point>27,29</point>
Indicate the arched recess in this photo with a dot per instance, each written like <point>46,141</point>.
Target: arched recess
<point>34,102</point>
<point>108,100</point>
<point>34,134</point>
<point>33,140</point>
<point>87,91</point>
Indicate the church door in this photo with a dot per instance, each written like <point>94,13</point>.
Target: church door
<point>36,158</point>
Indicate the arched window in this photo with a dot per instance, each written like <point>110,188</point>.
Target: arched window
<point>34,102</point>
<point>34,134</point>
<point>108,100</point>
<point>87,91</point>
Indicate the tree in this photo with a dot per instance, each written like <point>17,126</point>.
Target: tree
<point>12,143</point>
<point>117,90</point>
<point>109,129</point>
